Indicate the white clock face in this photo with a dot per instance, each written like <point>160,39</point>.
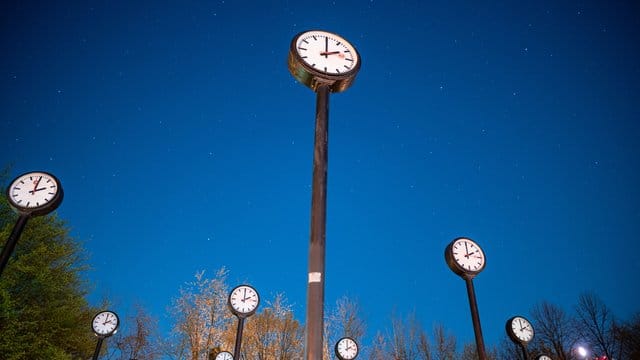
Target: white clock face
<point>225,355</point>
<point>522,329</point>
<point>326,52</point>
<point>543,357</point>
<point>347,349</point>
<point>468,255</point>
<point>105,323</point>
<point>244,300</point>
<point>33,190</point>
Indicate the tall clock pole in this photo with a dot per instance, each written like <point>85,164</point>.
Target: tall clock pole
<point>324,62</point>
<point>315,287</point>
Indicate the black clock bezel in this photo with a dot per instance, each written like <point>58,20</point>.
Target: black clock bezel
<point>312,77</point>
<point>114,329</point>
<point>453,264</point>
<point>43,209</point>
<point>238,313</point>
<point>346,338</point>
<point>513,336</point>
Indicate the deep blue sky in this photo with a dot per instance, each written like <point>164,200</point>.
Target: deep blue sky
<point>183,143</point>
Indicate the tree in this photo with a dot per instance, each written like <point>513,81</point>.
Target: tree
<point>139,340</point>
<point>201,317</point>
<point>273,334</point>
<point>408,341</point>
<point>595,323</point>
<point>445,344</point>
<point>43,311</point>
<point>470,352</point>
<point>343,320</point>
<point>553,330</point>
<point>628,336</point>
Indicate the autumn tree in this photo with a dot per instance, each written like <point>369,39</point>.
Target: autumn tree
<point>273,333</point>
<point>137,338</point>
<point>201,317</point>
<point>43,310</point>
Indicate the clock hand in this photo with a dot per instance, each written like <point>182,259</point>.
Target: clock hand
<point>329,53</point>
<point>35,185</point>
<point>326,47</point>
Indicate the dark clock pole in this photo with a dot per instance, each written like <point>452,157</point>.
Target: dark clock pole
<point>315,287</point>
<point>326,63</point>
<point>475,317</point>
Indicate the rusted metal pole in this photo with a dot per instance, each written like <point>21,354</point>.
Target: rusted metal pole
<point>475,317</point>
<point>316,276</point>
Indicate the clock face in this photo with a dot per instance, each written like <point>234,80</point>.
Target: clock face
<point>105,323</point>
<point>520,329</point>
<point>35,193</point>
<point>467,255</point>
<point>244,300</point>
<point>225,355</point>
<point>543,357</point>
<point>346,349</point>
<point>326,53</point>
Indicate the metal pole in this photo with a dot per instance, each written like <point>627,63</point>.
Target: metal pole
<point>98,346</point>
<point>315,285</point>
<point>475,317</point>
<point>12,241</point>
<point>236,349</point>
<point>525,355</point>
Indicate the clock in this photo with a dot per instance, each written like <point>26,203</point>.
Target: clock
<point>35,193</point>
<point>465,257</point>
<point>225,355</point>
<point>346,349</point>
<point>520,330</point>
<point>320,57</point>
<point>243,301</point>
<point>543,357</point>
<point>105,323</point>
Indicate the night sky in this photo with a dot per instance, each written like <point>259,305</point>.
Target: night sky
<point>184,144</point>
